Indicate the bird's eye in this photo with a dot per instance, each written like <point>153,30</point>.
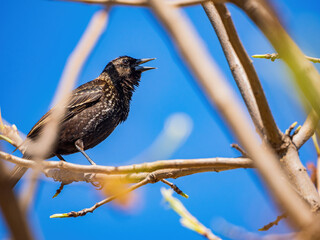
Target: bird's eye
<point>126,61</point>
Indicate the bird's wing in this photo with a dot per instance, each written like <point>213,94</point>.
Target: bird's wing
<point>81,98</point>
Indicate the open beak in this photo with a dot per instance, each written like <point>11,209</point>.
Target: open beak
<point>143,68</point>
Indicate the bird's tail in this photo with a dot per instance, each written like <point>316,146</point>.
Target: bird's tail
<point>17,173</point>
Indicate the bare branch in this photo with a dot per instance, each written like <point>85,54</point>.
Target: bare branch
<point>273,223</point>
<point>109,199</point>
<point>243,72</point>
<point>69,177</point>
<point>175,188</point>
<point>307,130</point>
<point>274,56</point>
<point>217,163</point>
<point>220,95</point>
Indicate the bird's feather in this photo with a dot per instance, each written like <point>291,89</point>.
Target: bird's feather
<point>82,97</point>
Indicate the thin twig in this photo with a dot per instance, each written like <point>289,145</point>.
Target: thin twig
<point>307,130</point>
<point>273,223</point>
<point>174,188</point>
<point>240,149</point>
<point>289,130</point>
<point>274,56</point>
<point>59,190</point>
<point>109,199</point>
<point>220,95</point>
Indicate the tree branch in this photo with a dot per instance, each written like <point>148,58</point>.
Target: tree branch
<point>235,65</point>
<point>109,199</point>
<point>218,163</point>
<point>243,72</point>
<point>307,130</point>
<point>274,56</point>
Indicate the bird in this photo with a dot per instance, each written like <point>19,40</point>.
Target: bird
<point>93,111</point>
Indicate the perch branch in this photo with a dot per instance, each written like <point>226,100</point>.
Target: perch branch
<point>223,163</point>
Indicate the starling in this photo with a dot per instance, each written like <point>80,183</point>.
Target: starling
<point>94,110</point>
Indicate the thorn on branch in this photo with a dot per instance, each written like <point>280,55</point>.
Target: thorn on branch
<point>275,222</point>
<point>175,188</point>
<point>240,149</point>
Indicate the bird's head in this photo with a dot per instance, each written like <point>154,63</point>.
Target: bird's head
<point>126,71</point>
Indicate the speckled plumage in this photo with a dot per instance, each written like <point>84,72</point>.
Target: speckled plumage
<point>95,108</point>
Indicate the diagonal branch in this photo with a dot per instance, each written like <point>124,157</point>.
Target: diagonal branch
<point>243,72</point>
<point>307,130</point>
<point>306,77</point>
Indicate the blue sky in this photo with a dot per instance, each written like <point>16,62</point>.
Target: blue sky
<point>36,38</point>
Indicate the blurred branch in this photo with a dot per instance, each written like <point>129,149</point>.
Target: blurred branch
<point>307,130</point>
<point>187,219</point>
<point>243,72</point>
<point>220,95</point>
<point>274,56</point>
<point>43,145</point>
<point>12,211</point>
<point>143,3</point>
